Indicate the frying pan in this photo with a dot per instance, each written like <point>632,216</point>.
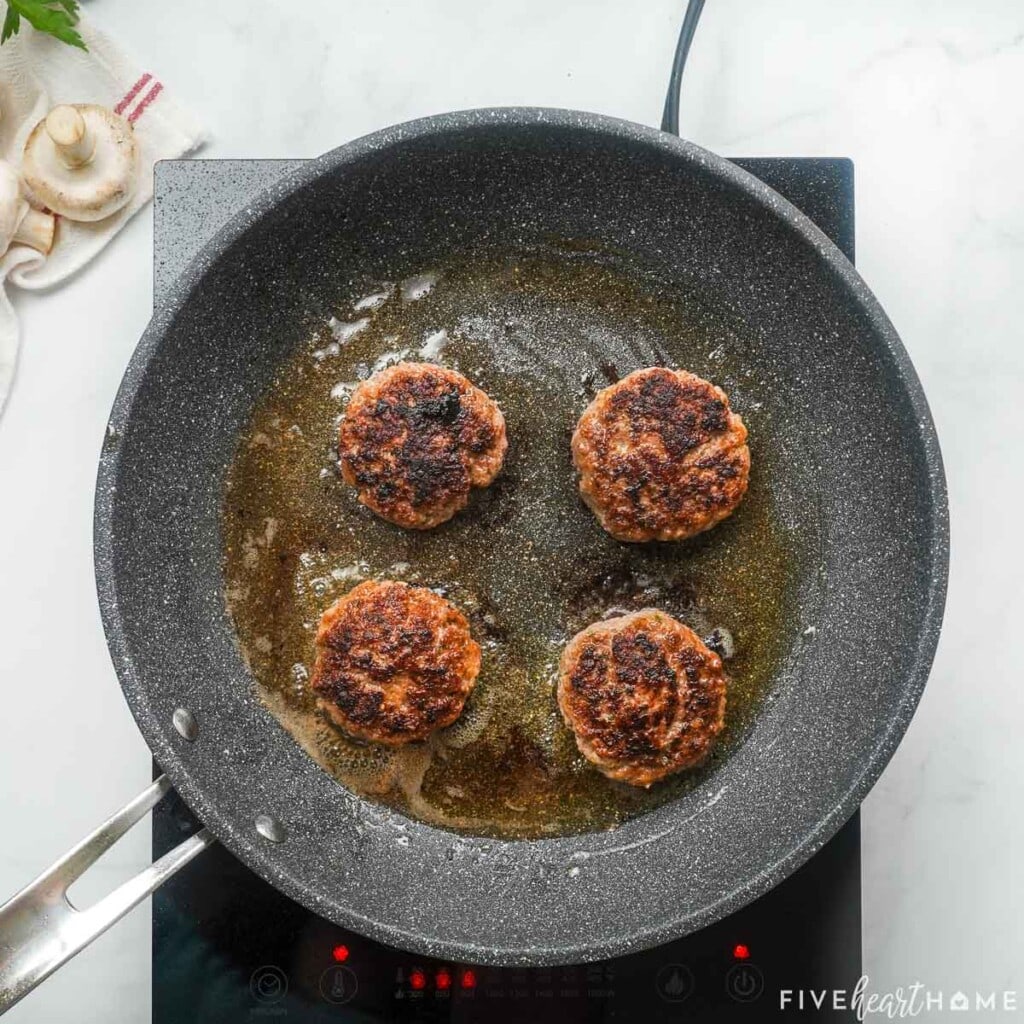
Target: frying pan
<point>861,461</point>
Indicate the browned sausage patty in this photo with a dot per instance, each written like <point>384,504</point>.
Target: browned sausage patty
<point>643,695</point>
<point>393,662</point>
<point>661,456</point>
<point>415,439</point>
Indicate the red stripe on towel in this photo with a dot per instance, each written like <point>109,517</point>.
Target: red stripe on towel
<point>132,93</point>
<point>145,102</point>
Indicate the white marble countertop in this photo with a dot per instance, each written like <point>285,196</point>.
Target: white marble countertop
<point>925,97</point>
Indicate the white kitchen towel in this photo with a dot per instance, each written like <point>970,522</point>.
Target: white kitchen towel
<point>36,73</point>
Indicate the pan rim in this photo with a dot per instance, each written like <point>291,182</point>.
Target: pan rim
<point>259,858</point>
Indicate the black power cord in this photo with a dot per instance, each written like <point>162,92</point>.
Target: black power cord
<point>670,117</point>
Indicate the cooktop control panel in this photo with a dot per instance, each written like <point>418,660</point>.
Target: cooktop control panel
<point>227,947</point>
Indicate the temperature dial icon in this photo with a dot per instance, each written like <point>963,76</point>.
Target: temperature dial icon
<point>338,984</point>
<point>744,983</point>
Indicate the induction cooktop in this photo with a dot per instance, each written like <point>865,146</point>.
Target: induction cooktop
<point>228,948</point>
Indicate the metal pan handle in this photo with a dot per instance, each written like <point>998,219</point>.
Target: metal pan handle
<point>40,930</point>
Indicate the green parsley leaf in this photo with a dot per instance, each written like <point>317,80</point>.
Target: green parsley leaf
<point>54,17</point>
<point>11,24</point>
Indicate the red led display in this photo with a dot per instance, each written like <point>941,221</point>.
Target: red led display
<point>741,952</point>
<point>443,980</point>
<point>417,979</point>
<point>468,979</point>
<point>340,954</point>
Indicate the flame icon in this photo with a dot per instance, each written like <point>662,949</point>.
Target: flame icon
<point>674,982</point>
<point>675,986</point>
<point>959,1002</point>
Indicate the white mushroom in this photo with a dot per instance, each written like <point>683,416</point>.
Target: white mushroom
<point>19,223</point>
<point>80,161</point>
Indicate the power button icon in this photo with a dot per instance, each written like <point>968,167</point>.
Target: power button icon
<point>744,983</point>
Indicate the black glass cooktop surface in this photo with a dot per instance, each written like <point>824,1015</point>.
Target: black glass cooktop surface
<point>229,948</point>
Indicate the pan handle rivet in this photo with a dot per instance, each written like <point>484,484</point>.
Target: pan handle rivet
<point>270,828</point>
<point>185,724</point>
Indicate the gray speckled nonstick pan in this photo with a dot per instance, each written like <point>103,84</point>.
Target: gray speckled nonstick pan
<point>861,462</point>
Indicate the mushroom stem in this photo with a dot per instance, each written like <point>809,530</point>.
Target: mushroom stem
<point>75,143</point>
<point>36,229</point>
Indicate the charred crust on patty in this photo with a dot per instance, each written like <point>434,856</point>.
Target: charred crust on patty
<point>661,456</point>
<point>643,695</point>
<point>415,439</point>
<point>393,662</point>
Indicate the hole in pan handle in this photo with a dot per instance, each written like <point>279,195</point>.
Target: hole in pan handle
<point>39,928</point>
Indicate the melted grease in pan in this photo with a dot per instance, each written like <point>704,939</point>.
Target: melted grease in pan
<point>527,562</point>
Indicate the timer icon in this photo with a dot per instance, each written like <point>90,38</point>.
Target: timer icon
<point>268,984</point>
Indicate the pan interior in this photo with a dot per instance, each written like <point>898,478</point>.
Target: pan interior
<point>541,329</point>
